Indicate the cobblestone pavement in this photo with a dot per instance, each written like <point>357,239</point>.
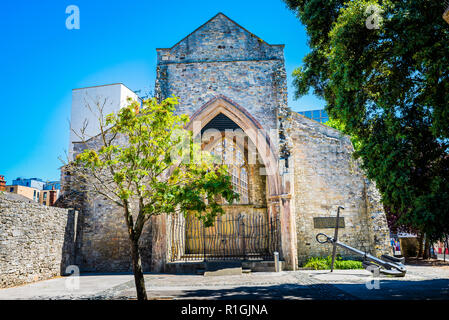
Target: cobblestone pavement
<point>419,283</point>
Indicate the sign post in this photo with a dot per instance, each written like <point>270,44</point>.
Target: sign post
<point>334,243</point>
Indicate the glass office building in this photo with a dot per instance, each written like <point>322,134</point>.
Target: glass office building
<point>319,115</point>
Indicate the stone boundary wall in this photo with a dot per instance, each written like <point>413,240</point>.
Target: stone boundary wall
<point>36,241</point>
<point>103,243</point>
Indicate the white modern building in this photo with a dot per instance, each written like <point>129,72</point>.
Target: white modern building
<point>85,108</point>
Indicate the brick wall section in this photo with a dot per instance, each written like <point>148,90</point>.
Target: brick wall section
<point>36,241</point>
<point>326,176</point>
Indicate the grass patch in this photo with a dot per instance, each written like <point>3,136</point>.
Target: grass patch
<point>324,263</point>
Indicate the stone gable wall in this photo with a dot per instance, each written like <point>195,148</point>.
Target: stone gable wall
<point>250,84</point>
<point>223,59</point>
<point>36,241</point>
<point>220,39</point>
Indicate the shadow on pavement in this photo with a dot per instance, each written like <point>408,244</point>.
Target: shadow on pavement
<point>435,289</point>
<point>272,292</point>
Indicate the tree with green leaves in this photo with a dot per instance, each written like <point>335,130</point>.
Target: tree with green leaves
<point>383,69</point>
<point>148,164</point>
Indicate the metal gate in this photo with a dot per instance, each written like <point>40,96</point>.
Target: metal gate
<point>245,237</point>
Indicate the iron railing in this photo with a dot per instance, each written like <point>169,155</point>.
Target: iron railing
<point>244,237</point>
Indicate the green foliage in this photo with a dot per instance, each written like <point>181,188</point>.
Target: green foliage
<point>324,263</point>
<point>339,125</point>
<point>316,263</point>
<point>388,88</point>
<point>160,169</point>
<point>348,264</point>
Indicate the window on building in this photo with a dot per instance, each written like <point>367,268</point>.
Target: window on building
<point>230,154</point>
<point>44,203</point>
<point>11,190</point>
<point>45,196</point>
<point>319,115</point>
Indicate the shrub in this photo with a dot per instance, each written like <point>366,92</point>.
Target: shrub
<point>324,263</point>
<point>316,263</point>
<point>348,264</point>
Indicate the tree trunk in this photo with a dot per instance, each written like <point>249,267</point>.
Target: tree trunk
<point>137,270</point>
<point>426,249</point>
<point>420,245</point>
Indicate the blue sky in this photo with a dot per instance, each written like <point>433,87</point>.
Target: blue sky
<point>41,61</point>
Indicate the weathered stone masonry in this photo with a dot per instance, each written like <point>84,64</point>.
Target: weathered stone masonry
<point>224,65</point>
<point>326,176</point>
<point>222,58</point>
<point>36,241</point>
<point>102,238</point>
<point>221,68</point>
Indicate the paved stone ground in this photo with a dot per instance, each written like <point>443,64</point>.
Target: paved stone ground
<point>442,257</point>
<point>419,283</point>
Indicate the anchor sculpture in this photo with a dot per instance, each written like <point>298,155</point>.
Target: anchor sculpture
<point>386,264</point>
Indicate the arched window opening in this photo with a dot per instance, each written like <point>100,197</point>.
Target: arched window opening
<point>229,153</point>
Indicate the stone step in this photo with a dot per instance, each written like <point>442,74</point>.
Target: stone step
<point>200,271</point>
<point>222,264</point>
<point>210,266</point>
<point>262,266</point>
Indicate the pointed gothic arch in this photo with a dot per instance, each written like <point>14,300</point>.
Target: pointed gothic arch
<point>250,127</point>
